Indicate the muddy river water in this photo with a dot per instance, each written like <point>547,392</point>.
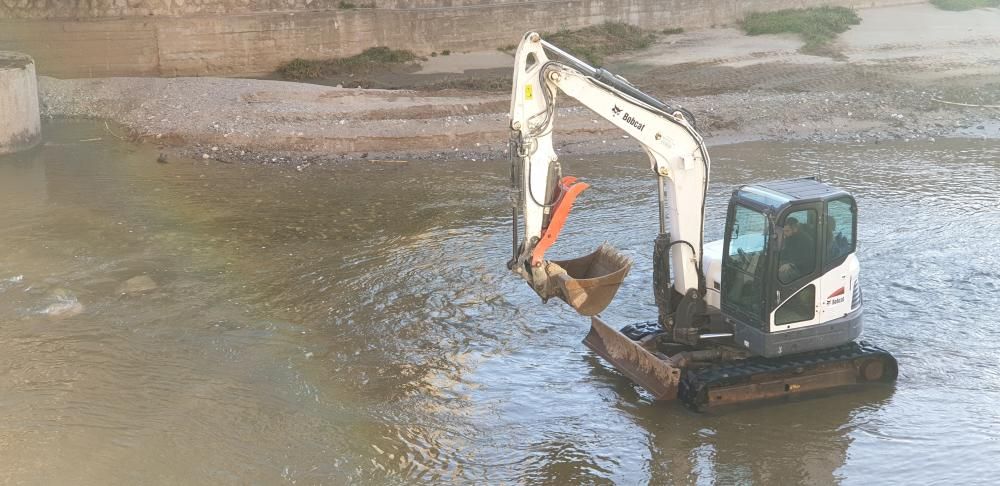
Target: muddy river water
<point>204,323</point>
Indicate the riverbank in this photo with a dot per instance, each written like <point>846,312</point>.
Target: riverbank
<point>907,73</point>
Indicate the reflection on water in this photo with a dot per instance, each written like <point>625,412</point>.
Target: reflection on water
<point>355,323</point>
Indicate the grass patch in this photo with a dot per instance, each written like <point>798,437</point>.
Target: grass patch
<point>345,5</point>
<point>960,5</point>
<point>593,44</point>
<point>371,60</point>
<point>677,30</point>
<point>817,26</point>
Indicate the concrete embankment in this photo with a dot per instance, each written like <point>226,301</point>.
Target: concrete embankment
<point>226,38</point>
<point>20,126</point>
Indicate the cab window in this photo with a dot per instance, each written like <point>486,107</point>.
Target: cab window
<point>840,238</point>
<point>801,307</point>
<point>742,282</point>
<point>747,240</point>
<point>797,257</point>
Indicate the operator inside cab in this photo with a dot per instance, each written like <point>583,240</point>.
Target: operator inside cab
<point>798,252</point>
<point>837,245</point>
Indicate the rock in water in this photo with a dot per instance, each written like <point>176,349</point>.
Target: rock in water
<point>63,309</point>
<point>65,305</point>
<point>138,285</point>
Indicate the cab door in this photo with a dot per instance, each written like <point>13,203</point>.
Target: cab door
<point>840,265</point>
<point>744,265</point>
<point>797,268</point>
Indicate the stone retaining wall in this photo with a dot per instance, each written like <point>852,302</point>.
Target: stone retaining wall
<point>173,43</point>
<point>104,9</point>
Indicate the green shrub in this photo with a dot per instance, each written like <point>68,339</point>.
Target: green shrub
<point>959,5</point>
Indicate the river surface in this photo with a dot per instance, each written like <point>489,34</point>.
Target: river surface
<point>355,323</point>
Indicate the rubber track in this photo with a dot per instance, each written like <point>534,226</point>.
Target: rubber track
<point>695,383</point>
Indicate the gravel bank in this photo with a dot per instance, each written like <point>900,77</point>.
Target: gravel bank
<point>272,121</point>
<point>901,81</point>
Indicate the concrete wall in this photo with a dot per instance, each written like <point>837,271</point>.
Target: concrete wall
<point>255,43</point>
<point>20,125</point>
<point>98,9</point>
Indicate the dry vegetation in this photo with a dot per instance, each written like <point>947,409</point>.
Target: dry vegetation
<point>369,61</point>
<point>595,43</point>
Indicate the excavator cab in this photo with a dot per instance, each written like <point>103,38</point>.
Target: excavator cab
<point>789,273</point>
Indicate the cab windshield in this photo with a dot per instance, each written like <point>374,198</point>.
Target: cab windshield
<point>742,276</point>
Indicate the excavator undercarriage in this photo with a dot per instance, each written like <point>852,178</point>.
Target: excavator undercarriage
<point>712,376</point>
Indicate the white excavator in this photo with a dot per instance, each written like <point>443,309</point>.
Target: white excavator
<point>773,309</point>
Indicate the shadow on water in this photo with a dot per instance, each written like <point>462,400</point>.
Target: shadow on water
<point>356,323</point>
<point>746,445</point>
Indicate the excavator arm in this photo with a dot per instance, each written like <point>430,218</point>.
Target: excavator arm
<point>543,197</point>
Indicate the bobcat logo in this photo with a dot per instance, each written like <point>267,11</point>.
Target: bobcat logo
<point>628,118</point>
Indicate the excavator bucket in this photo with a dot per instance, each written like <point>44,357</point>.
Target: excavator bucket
<point>633,360</point>
<point>589,283</point>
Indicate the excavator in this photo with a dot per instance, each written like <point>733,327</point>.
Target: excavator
<point>772,310</point>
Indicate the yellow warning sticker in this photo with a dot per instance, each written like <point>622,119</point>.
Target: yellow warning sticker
<point>527,92</point>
